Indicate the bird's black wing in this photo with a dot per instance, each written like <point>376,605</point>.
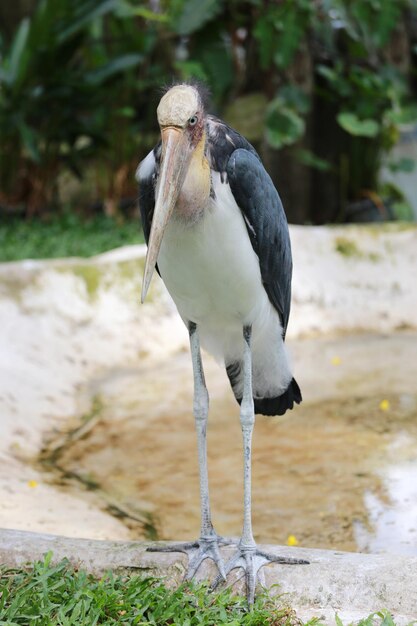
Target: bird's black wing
<point>146,205</point>
<point>239,165</point>
<point>266,224</point>
<point>147,191</point>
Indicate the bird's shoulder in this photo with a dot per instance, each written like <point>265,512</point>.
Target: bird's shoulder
<point>148,168</point>
<point>146,175</point>
<point>222,141</point>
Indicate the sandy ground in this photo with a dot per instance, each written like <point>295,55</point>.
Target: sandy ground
<point>69,327</point>
<point>311,468</point>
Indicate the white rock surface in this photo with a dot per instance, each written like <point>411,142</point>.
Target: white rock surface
<point>55,335</point>
<point>351,585</point>
<point>372,286</point>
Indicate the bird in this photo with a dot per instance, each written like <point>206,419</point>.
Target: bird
<point>217,234</point>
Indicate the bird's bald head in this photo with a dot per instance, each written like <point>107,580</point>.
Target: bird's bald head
<point>178,106</point>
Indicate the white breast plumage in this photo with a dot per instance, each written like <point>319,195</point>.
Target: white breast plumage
<point>210,266</point>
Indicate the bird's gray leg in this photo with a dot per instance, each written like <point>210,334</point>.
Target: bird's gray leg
<point>247,421</point>
<point>247,555</point>
<point>207,546</point>
<point>201,407</point>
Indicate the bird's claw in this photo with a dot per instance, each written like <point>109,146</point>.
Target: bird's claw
<point>197,552</point>
<point>207,549</point>
<point>251,560</point>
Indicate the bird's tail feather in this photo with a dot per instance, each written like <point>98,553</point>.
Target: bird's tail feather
<point>277,405</point>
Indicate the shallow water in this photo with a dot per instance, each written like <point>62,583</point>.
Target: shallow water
<point>340,471</point>
<point>393,514</point>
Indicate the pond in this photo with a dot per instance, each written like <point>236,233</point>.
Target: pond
<point>338,472</point>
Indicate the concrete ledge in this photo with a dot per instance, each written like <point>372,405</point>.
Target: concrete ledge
<point>351,584</point>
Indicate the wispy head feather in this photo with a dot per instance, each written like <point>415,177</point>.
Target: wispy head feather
<point>204,94</point>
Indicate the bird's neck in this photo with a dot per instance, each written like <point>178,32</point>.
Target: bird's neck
<point>195,192</point>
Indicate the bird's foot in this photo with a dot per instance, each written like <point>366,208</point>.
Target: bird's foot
<point>251,560</point>
<point>197,552</point>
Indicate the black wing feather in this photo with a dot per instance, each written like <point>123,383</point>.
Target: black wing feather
<point>267,226</point>
<point>146,205</point>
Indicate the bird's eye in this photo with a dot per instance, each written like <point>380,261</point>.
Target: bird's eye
<point>193,120</point>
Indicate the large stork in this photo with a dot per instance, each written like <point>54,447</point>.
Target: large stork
<point>217,234</point>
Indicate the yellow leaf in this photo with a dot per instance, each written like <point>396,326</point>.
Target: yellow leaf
<point>336,360</point>
<point>32,483</point>
<point>292,540</point>
<point>384,405</point>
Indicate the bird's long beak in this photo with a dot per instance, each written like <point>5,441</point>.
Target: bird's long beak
<point>175,159</point>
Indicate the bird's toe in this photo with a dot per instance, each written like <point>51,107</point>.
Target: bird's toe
<point>207,549</point>
<point>252,560</point>
<point>197,552</point>
<point>184,546</point>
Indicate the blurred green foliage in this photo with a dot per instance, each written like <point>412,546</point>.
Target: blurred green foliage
<point>63,92</point>
<point>80,80</point>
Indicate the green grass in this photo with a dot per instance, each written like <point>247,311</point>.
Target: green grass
<point>47,595</point>
<point>64,235</point>
<point>52,595</point>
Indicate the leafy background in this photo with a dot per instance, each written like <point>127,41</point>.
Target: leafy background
<point>322,88</point>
